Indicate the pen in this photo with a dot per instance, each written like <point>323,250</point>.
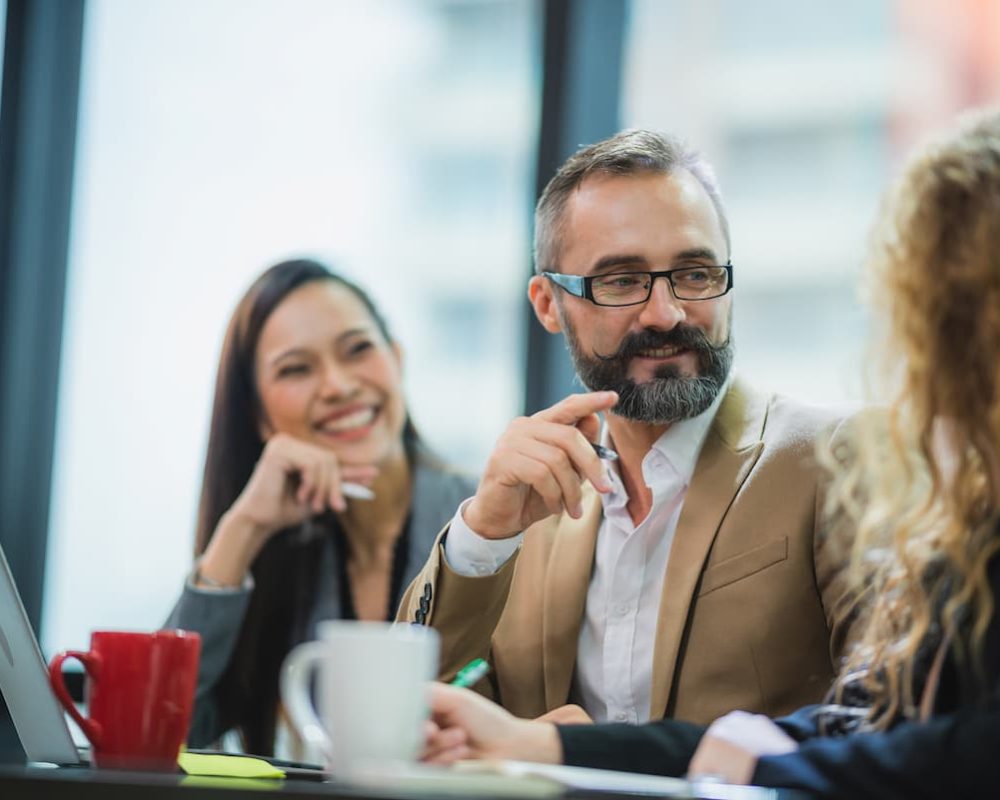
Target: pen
<point>604,452</point>
<point>357,491</point>
<point>471,673</point>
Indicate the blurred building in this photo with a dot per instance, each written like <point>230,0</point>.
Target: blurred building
<point>805,109</point>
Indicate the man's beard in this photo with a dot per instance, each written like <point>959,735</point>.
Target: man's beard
<point>668,396</point>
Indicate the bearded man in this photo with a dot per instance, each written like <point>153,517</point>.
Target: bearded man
<point>687,576</point>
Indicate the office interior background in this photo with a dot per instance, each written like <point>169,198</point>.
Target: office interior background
<point>157,154</point>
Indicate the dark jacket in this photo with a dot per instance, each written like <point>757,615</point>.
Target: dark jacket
<point>955,754</point>
<point>218,615</point>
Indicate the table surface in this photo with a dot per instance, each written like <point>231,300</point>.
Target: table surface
<point>83,783</point>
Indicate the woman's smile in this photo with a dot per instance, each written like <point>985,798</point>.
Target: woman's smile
<point>348,424</point>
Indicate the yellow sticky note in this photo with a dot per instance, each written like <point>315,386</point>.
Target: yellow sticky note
<point>243,784</point>
<point>226,766</point>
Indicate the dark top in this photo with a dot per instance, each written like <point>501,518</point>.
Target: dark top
<point>400,555</point>
<point>955,754</point>
<point>218,615</point>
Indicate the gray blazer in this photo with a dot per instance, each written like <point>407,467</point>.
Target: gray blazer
<point>218,614</point>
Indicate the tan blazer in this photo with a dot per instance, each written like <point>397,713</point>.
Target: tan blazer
<point>747,596</point>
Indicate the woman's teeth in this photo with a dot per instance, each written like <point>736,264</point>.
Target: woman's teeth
<point>349,422</point>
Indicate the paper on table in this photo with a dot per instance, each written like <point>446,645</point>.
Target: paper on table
<point>451,782</point>
<point>599,780</point>
<point>514,779</point>
<point>227,766</point>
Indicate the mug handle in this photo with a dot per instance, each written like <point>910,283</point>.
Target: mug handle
<point>299,665</point>
<point>92,665</point>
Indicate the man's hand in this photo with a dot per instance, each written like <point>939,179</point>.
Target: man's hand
<point>732,744</point>
<point>538,465</point>
<point>466,725</point>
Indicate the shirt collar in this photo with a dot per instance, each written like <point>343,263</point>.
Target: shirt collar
<point>675,452</point>
<point>681,443</point>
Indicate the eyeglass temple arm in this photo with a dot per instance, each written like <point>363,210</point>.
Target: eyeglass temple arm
<point>574,284</point>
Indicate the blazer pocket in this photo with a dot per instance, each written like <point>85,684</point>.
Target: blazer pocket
<point>742,566</point>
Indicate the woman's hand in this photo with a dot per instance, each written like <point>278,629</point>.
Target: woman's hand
<point>566,715</point>
<point>292,481</point>
<point>467,725</point>
<point>537,466</point>
<point>732,744</point>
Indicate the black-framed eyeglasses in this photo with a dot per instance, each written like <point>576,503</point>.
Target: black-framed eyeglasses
<point>633,288</point>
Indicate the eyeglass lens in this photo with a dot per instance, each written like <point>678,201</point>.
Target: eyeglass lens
<point>623,288</point>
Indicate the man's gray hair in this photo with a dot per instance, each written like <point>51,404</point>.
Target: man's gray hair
<point>630,152</point>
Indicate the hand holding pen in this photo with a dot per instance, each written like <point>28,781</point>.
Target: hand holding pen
<point>538,465</point>
<point>604,453</point>
<point>292,482</point>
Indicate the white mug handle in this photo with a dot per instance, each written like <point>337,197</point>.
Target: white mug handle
<point>295,696</point>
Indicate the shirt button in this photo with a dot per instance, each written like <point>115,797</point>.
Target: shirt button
<point>621,716</point>
<point>621,609</point>
<point>481,570</point>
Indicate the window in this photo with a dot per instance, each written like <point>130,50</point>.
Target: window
<point>393,139</point>
<point>805,109</point>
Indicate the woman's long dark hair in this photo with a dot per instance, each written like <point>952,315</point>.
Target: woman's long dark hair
<point>285,571</point>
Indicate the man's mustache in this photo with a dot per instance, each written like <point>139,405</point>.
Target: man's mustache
<point>682,336</point>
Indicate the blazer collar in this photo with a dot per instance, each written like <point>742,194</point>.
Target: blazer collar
<point>565,595</point>
<point>731,449</point>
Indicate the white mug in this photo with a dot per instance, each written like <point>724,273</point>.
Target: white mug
<point>372,692</point>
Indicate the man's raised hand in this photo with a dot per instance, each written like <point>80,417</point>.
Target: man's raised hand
<point>538,465</point>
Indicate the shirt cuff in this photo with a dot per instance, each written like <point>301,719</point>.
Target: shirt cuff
<point>470,554</point>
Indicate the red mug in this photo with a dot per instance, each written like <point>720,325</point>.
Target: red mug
<point>139,692</point>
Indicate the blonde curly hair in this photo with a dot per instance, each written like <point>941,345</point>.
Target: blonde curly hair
<point>922,485</point>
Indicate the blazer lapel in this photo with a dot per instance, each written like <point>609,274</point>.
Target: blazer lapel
<point>732,446</point>
<point>567,579</point>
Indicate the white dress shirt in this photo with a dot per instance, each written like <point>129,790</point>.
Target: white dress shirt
<point>614,666</point>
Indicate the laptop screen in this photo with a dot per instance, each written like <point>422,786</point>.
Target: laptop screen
<point>24,682</point>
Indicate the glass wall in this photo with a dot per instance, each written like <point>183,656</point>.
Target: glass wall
<point>805,109</point>
<point>394,139</point>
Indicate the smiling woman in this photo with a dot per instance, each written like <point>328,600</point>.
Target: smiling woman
<point>308,401</point>
<point>322,342</point>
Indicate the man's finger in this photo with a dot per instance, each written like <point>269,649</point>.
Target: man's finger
<point>560,467</point>
<point>572,409</point>
<point>590,427</point>
<point>579,449</point>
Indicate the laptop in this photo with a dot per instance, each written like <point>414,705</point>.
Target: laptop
<point>24,682</point>
<point>38,717</point>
